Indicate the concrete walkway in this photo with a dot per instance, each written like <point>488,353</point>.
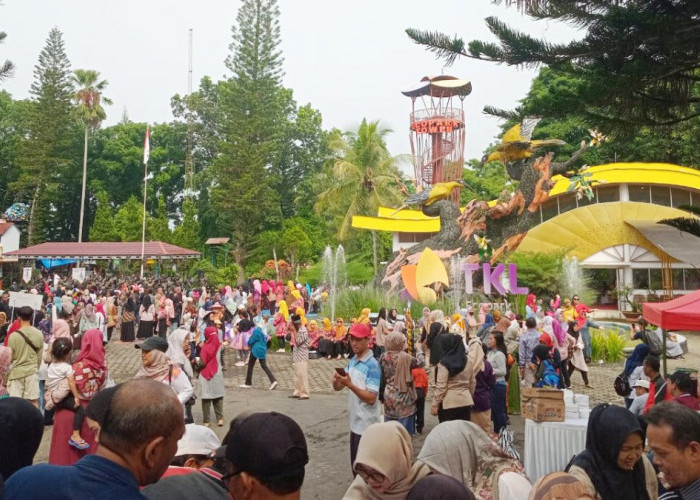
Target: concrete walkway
<point>324,416</point>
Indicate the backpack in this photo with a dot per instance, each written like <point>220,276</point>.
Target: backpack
<point>550,377</point>
<point>655,343</point>
<point>622,385</point>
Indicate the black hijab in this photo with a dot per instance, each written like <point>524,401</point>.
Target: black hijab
<point>541,352</point>
<point>608,427</point>
<point>21,427</point>
<point>454,355</point>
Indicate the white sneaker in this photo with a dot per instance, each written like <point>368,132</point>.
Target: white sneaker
<point>273,385</point>
<point>245,386</point>
<point>280,350</point>
<point>240,363</point>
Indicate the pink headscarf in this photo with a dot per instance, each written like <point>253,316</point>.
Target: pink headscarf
<point>559,333</point>
<point>92,351</point>
<point>208,352</point>
<point>530,301</point>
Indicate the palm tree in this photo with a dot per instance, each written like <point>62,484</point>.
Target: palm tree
<point>88,99</point>
<point>686,224</point>
<point>364,178</point>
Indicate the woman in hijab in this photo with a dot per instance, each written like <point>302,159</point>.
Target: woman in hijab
<point>439,487</point>
<point>128,318</point>
<point>211,379</point>
<point>90,372</point>
<point>60,327</point>
<point>480,385</point>
<point>463,451</point>
<point>502,323</point>
<point>88,320</point>
<point>613,463</point>
<point>179,350</point>
<point>560,486</point>
<point>565,343</point>
<point>511,337</point>
<point>531,306</point>
<point>452,398</point>
<point>577,359</point>
<point>147,313</point>
<point>384,464</point>
<point>396,390</point>
<point>21,428</point>
<point>157,366</point>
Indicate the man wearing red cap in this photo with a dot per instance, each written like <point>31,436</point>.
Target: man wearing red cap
<point>362,377</point>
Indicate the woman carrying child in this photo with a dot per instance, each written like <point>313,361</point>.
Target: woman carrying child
<point>62,391</point>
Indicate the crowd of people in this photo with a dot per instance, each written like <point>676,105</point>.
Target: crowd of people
<point>54,360</point>
<point>145,450</point>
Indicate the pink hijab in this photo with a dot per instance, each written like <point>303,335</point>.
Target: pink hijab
<point>92,351</point>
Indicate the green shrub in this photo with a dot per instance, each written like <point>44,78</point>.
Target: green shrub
<point>607,345</point>
<point>598,343</point>
<point>614,347</point>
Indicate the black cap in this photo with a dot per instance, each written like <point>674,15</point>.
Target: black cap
<point>154,342</point>
<point>267,445</point>
<point>682,380</point>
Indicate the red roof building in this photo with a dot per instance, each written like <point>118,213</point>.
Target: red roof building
<point>156,250</point>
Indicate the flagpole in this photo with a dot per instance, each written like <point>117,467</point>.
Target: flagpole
<point>146,155</point>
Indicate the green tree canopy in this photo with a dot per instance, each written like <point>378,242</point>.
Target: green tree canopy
<point>362,179</point>
<point>636,64</point>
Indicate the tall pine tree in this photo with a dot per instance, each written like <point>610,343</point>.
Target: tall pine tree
<point>45,153</point>
<point>253,103</point>
<point>636,63</point>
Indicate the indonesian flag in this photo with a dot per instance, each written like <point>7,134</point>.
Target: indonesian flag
<point>147,146</point>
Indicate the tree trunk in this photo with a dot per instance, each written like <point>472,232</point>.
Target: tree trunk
<point>375,261</point>
<point>82,196</point>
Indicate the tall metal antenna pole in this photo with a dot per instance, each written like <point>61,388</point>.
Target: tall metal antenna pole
<point>189,161</point>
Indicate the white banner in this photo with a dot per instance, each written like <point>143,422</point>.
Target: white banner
<point>26,274</point>
<point>56,279</point>
<point>79,274</point>
<point>20,299</point>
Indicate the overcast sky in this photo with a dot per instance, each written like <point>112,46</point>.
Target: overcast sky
<point>348,59</point>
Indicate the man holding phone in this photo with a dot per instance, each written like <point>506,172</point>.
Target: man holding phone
<point>362,377</point>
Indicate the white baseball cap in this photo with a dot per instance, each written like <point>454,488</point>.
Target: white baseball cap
<point>642,383</point>
<point>197,440</point>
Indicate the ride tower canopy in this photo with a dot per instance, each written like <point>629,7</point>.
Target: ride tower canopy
<point>437,129</point>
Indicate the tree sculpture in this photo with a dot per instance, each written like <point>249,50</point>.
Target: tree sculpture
<point>487,233</point>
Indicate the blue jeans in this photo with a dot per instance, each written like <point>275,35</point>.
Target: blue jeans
<point>498,406</point>
<point>409,423</point>
<point>42,385</point>
<point>586,336</point>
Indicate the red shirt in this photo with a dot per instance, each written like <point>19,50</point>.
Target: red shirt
<point>12,328</point>
<point>688,400</point>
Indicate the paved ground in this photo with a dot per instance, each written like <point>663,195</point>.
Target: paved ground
<point>324,417</point>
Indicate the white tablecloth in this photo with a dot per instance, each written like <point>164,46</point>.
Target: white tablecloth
<point>550,445</point>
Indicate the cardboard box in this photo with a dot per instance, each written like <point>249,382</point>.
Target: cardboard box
<point>542,405</point>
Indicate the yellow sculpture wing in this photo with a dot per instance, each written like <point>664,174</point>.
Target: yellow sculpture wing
<point>408,274</point>
<point>430,269</point>
<point>512,135</point>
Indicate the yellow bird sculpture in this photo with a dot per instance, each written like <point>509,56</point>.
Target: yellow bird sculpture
<point>439,191</point>
<point>516,143</point>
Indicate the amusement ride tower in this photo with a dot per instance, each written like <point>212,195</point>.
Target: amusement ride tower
<point>437,129</point>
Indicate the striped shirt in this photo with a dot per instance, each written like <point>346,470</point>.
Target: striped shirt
<point>366,375</point>
<point>301,346</point>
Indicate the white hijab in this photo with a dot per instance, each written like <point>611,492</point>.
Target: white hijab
<point>176,353</point>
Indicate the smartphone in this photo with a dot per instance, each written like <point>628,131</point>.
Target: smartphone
<point>341,371</point>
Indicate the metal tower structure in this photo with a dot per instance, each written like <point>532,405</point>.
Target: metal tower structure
<point>437,129</point>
